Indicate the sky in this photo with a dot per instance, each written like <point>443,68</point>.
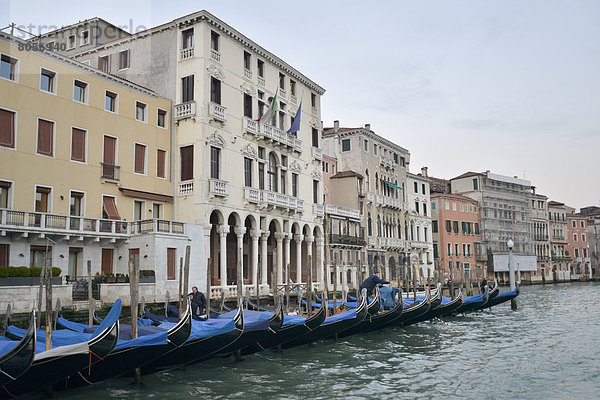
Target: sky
<point>501,85</point>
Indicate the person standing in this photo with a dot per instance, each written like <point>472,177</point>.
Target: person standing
<point>483,284</point>
<point>198,303</point>
<point>370,283</point>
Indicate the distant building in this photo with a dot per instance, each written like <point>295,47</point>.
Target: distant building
<point>505,213</point>
<point>421,238</point>
<point>578,247</point>
<point>559,245</point>
<point>541,238</point>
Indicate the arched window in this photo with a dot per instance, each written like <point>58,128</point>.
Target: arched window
<point>376,183</point>
<point>406,230</point>
<point>272,172</point>
<point>367,180</point>
<point>378,226</point>
<point>370,225</point>
<point>399,230</point>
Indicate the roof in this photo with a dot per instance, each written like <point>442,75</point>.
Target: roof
<point>85,21</point>
<point>555,203</point>
<point>467,174</point>
<point>346,174</point>
<point>329,131</point>
<point>453,196</point>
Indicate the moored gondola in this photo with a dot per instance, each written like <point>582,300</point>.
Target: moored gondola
<point>473,302</point>
<point>414,310</point>
<point>436,301</point>
<point>377,321</point>
<point>448,306</point>
<point>71,352</point>
<point>332,325</point>
<point>16,356</point>
<point>501,298</point>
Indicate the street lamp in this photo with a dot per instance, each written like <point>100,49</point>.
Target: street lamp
<point>511,272</point>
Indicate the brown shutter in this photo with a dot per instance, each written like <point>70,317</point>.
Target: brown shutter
<point>7,128</point>
<point>171,263</point>
<point>160,163</point>
<point>4,251</point>
<point>108,203</point>
<point>107,260</point>
<point>78,145</point>
<point>109,149</point>
<point>45,137</point>
<point>140,156</point>
<point>187,163</point>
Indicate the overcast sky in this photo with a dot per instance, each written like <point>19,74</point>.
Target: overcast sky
<point>509,86</point>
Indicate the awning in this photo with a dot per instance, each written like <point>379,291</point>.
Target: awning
<point>110,208</point>
<point>146,195</point>
<point>390,184</point>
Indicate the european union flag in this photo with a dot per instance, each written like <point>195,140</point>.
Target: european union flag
<point>295,127</point>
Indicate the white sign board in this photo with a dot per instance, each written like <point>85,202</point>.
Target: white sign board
<point>522,263</point>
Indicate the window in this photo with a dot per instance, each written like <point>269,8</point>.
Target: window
<point>140,111</point>
<point>103,64</point>
<point>282,81</point>
<point>247,105</point>
<point>374,149</point>
<point>366,144</point>
<point>283,180</point>
<point>161,118</point>
<point>4,252</point>
<point>107,260</point>
<point>109,208</point>
<point>583,224</point>
<point>315,191</point>
<point>42,199</point>
<point>424,208</point>
<point>475,184</point>
<point>85,37</point>
<point>294,185</point>
<point>574,237</point>
<point>315,137</point>
<point>215,157</point>
<point>247,172</point>
<point>456,249</point>
<point>574,223</point>
<point>76,209</point>
<point>109,169</point>
<point>36,256</point>
<point>215,90</point>
<point>260,67</point>
<point>423,188</point>
<point>187,38</point>
<point>47,81</point>
<point>261,175</point>
<point>453,206</point>
<point>138,210</point>
<point>123,59</point>
<point>434,226</point>
<point>187,88</point>
<point>450,249</point>
<point>417,206</point>
<point>5,194</point>
<point>187,162</point>
<point>583,237</point>
<point>247,61</point>
<point>80,91</point>
<point>272,173</point>
<point>464,249</point>
<point>7,128</point>
<point>161,163</point>
<point>110,101</point>
<point>455,225</point>
<point>171,261</point>
<point>71,42</point>
<point>140,159</point>
<point>448,226</point>
<point>214,40</point>
<point>156,210</point>
<point>45,142</point>
<point>78,139</point>
<point>346,145</point>
<point>313,100</point>
<point>292,87</point>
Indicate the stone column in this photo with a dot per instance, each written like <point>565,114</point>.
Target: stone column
<point>239,232</point>
<point>309,241</point>
<point>286,255</point>
<point>298,238</point>
<point>263,261</point>
<point>207,230</point>
<point>223,231</point>
<point>279,238</point>
<point>255,235</point>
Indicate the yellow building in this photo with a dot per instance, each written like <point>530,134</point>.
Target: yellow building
<point>79,151</point>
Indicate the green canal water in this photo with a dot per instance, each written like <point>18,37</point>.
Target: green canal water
<point>548,349</point>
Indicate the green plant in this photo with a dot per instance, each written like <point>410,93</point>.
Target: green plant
<point>25,272</point>
<point>146,272</point>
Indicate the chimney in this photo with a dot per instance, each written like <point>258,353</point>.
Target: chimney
<point>424,172</point>
<point>368,127</point>
<point>336,126</point>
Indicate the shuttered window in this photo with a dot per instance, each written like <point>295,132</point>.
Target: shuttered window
<point>215,90</point>
<point>187,88</point>
<point>78,145</point>
<point>140,159</point>
<point>215,156</point>
<point>171,259</point>
<point>7,128</point>
<point>109,208</point>
<point>45,133</point>
<point>161,157</point>
<point>187,163</point>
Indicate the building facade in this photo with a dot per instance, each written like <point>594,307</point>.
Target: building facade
<point>559,244</point>
<point>85,173</point>
<point>541,238</point>
<point>420,226</point>
<point>255,188</point>
<point>505,213</point>
<point>578,246</point>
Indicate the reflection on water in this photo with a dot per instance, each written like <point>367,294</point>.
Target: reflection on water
<point>549,348</point>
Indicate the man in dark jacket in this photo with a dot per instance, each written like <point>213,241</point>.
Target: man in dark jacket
<point>370,283</point>
<point>198,302</point>
<point>483,284</point>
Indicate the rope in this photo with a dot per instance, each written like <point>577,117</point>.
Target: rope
<point>90,362</point>
<point>439,320</point>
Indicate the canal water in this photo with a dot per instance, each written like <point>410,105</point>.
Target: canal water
<point>548,349</point>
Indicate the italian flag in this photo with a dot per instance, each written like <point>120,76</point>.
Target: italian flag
<point>270,111</point>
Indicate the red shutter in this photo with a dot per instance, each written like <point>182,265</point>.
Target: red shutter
<point>7,128</point>
<point>140,156</point>
<point>107,260</point>
<point>108,203</point>
<point>4,251</point>
<point>160,163</point>
<point>78,145</point>
<point>45,129</point>
<point>171,263</point>
<point>109,150</point>
<point>187,163</point>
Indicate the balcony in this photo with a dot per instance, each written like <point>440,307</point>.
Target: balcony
<point>215,55</point>
<point>319,210</point>
<point>387,162</point>
<point>380,200</point>
<point>269,132</point>
<point>293,99</point>
<point>186,54</point>
<point>370,197</point>
<point>274,199</point>
<point>218,187</point>
<point>371,240</point>
<point>186,188</point>
<point>184,110</point>
<point>342,211</point>
<point>317,153</point>
<point>29,222</point>
<point>217,112</point>
<point>110,172</point>
<point>282,94</point>
<point>346,239</point>
<point>247,73</point>
<point>250,126</point>
<point>261,81</point>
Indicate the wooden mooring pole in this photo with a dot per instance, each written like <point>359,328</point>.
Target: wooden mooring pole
<point>47,271</point>
<point>133,292</point>
<point>208,288</point>
<point>89,285</point>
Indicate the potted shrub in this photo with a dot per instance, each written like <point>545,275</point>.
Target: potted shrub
<point>110,278</point>
<point>147,276</point>
<point>25,276</point>
<point>120,278</point>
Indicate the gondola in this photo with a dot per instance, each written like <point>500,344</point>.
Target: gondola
<point>378,320</point>
<point>293,327</point>
<point>415,310</point>
<point>207,337</point>
<point>448,306</point>
<point>473,302</point>
<point>436,301</point>
<point>16,356</point>
<point>71,352</point>
<point>332,325</point>
<point>494,292</point>
<point>129,354</point>
<point>501,298</point>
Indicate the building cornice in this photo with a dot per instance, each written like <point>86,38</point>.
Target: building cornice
<point>371,135</point>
